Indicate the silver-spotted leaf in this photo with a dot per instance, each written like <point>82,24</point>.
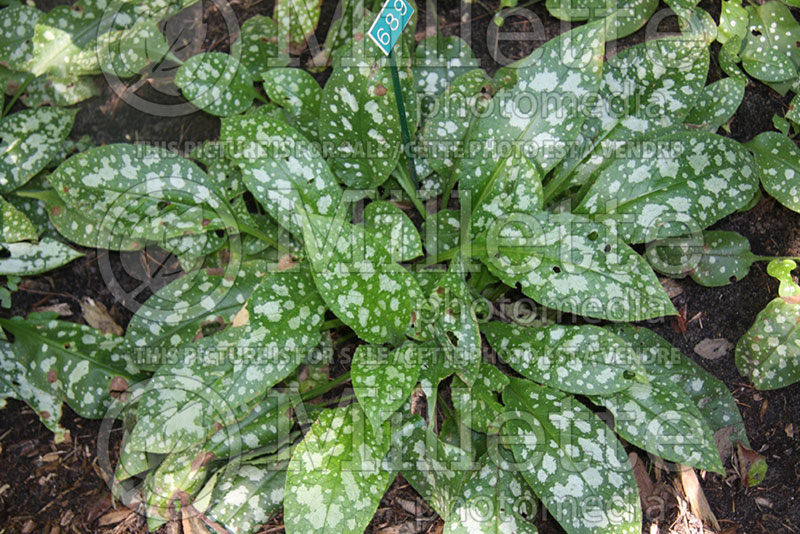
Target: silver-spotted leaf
<point>717,103</point>
<point>383,378</point>
<point>391,226</point>
<point>625,17</point>
<point>572,460</point>
<point>299,94</point>
<point>438,61</point>
<point>30,139</point>
<point>28,259</point>
<point>296,20</point>
<point>216,83</point>
<point>335,478</point>
<point>778,160</point>
<point>358,279</point>
<point>717,259</point>
<point>17,24</point>
<point>770,53</point>
<point>257,46</point>
<point>572,264</point>
<point>14,225</point>
<point>582,359</point>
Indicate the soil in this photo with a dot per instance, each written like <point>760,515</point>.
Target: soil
<point>59,488</point>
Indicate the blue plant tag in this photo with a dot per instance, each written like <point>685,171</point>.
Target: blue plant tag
<point>390,23</point>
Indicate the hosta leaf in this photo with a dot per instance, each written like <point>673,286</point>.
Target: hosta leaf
<point>30,138</point>
<point>778,160</point>
<point>383,379</point>
<point>666,365</point>
<point>770,54</point>
<point>15,382</point>
<point>495,497</point>
<point>626,17</point>
<point>176,313</point>
<point>717,103</point>
<point>359,282</point>
<point>438,61</point>
<point>299,94</point>
<point>527,139</point>
<point>569,263</point>
<point>579,359</point>
<point>335,479</point>
<point>703,178</point>
<point>17,24</point>
<point>216,83</point>
<point>14,225</point>
<point>282,169</point>
<point>245,496</point>
<point>142,191</point>
<point>359,115</point>
<point>297,19</point>
<point>74,362</point>
<point>257,46</point>
<point>717,260</point>
<point>435,469</point>
<point>27,259</point>
<point>661,419</point>
<point>392,227</point>
<point>572,460</point>
<point>769,352</point>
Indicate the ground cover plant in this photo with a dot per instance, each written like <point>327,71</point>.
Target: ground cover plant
<point>571,177</point>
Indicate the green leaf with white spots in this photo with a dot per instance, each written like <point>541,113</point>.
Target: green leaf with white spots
<point>660,418</point>
<point>438,60</point>
<point>441,231</point>
<point>644,88</point>
<point>769,352</point>
<point>358,280</point>
<point>478,406</point>
<point>282,169</point>
<point>572,460</point>
<point>299,94</point>
<point>700,179</point>
<point>335,479</point>
<point>717,259</point>
<point>296,20</point>
<point>392,227</point>
<point>436,470</point>
<point>458,109</point>
<point>668,367</point>
<point>73,362</point>
<point>529,141</point>
<point>569,263</point>
<point>15,383</point>
<point>495,498</point>
<point>125,53</point>
<point>383,378</point>
<point>733,20</point>
<point>216,83</point>
<point>359,115</point>
<point>778,161</point>
<point>14,225</point>
<point>246,496</point>
<point>183,471</point>
<point>770,53</point>
<point>624,17</point>
<point>30,139</point>
<point>17,24</point>
<point>256,47</point>
<point>266,427</point>
<point>717,103</point>
<point>60,37</point>
<point>44,91</point>
<point>141,191</point>
<point>28,259</point>
<point>175,314</point>
<point>582,359</point>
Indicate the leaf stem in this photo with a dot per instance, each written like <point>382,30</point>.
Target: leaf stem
<point>333,323</point>
<point>326,387</point>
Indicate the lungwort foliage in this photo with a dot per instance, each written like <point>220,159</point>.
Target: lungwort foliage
<point>300,230</point>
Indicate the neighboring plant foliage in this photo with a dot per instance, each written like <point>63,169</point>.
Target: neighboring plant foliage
<point>300,228</point>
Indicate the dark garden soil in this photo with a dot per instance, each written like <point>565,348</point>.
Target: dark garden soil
<point>48,488</point>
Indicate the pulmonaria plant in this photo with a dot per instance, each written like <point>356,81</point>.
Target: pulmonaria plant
<point>299,231</point>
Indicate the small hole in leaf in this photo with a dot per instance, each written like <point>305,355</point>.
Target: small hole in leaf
<point>162,204</point>
<point>219,233</point>
<point>67,345</point>
<point>607,249</point>
<point>732,279</point>
<point>593,235</point>
<point>556,269</point>
<point>628,375</point>
<point>4,253</point>
<point>755,32</point>
<point>453,339</point>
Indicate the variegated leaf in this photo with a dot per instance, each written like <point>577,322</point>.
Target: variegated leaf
<point>216,83</point>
